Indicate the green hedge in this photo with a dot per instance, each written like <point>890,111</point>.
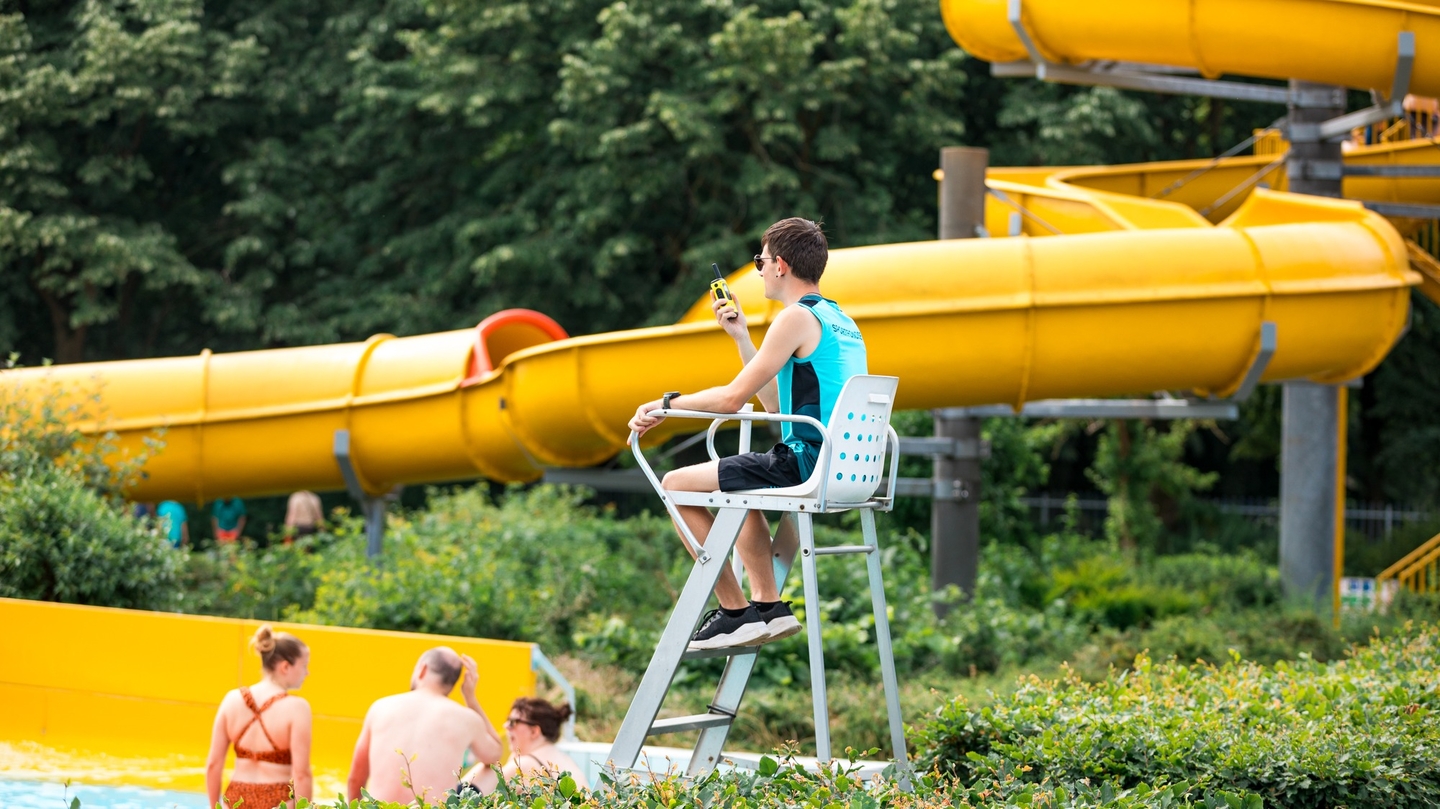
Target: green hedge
<point>785,783</point>
<point>1358,732</point>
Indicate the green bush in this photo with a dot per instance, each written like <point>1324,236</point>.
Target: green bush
<point>64,534</point>
<point>1359,732</point>
<point>60,541</point>
<point>535,566</point>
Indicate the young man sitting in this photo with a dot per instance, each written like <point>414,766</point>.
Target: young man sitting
<point>809,352</point>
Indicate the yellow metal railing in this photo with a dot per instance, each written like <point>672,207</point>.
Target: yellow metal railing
<point>1421,121</point>
<point>1418,571</point>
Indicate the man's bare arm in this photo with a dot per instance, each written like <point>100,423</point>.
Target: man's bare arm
<point>486,744</point>
<point>359,764</point>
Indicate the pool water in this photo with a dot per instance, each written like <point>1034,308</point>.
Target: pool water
<point>50,795</point>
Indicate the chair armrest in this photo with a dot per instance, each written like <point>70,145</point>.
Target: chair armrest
<point>717,419</point>
<point>894,464</point>
<point>700,414</point>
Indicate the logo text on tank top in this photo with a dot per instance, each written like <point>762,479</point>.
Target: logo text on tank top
<point>841,330</point>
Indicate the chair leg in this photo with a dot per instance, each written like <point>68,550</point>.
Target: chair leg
<point>676,638</point>
<point>813,631</point>
<point>735,679</point>
<point>886,648</point>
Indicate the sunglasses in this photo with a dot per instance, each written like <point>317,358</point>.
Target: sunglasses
<point>511,722</point>
<point>760,261</point>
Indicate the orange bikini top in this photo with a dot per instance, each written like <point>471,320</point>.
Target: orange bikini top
<point>274,755</point>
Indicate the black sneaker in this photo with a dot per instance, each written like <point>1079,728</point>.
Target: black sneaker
<point>780,622</point>
<point>719,631</point>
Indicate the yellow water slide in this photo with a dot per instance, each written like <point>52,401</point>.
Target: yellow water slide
<point>960,322</point>
<point>1149,277</point>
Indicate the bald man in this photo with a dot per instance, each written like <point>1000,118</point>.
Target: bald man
<point>429,730</point>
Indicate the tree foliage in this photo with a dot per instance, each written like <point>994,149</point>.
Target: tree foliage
<point>176,174</point>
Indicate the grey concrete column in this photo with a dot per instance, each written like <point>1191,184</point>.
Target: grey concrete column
<point>1308,457</point>
<point>955,509</point>
<point>1310,414</point>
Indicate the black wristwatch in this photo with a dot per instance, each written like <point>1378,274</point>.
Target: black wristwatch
<point>665,400</point>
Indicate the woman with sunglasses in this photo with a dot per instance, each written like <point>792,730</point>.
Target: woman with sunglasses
<point>534,727</point>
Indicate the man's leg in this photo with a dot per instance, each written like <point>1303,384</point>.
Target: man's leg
<point>753,543</point>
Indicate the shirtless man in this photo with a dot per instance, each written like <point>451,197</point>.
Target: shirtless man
<point>428,729</point>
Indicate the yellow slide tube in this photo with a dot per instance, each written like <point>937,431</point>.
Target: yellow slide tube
<point>1347,42</point>
<point>960,322</point>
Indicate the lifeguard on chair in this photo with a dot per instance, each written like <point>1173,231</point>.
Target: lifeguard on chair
<point>810,351</point>
<point>810,374</point>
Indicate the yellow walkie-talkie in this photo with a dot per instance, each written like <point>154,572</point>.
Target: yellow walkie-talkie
<point>718,287</point>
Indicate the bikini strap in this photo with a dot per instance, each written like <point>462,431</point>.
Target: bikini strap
<point>257,710</point>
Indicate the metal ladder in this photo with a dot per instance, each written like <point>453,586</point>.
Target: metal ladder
<point>795,532</point>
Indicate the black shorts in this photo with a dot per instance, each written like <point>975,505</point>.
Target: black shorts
<point>760,470</point>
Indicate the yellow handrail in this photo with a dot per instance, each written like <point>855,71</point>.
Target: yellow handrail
<point>1412,564</point>
<point>1422,577</point>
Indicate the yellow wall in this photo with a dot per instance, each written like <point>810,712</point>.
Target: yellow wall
<point>135,692</point>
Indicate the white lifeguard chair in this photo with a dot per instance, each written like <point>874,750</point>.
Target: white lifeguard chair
<point>847,476</point>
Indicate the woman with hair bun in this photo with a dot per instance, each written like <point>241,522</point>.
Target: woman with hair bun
<point>534,727</point>
<point>269,729</point>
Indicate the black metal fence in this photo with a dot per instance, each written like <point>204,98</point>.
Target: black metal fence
<point>1376,521</point>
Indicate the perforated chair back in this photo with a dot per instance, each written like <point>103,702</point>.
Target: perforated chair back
<point>858,432</point>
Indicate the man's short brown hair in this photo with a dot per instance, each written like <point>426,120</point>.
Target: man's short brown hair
<point>802,244</point>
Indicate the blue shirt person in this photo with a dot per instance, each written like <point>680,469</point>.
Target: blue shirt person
<point>227,518</point>
<point>174,523</point>
<point>810,351</point>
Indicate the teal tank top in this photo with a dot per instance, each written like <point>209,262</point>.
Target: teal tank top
<point>809,387</point>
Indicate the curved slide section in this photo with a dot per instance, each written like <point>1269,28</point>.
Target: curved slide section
<point>961,322</point>
<point>1352,43</point>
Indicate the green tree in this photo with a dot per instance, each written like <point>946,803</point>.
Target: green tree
<point>587,159</point>
<point>1138,467</point>
<point>1407,386</point>
<point>104,107</point>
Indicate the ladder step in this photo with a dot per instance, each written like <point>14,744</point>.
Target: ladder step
<point>695,722</point>
<point>728,651</point>
<point>836,550</point>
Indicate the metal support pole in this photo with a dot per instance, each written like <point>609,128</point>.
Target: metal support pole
<point>1309,459</point>
<point>371,508</point>
<point>1309,454</point>
<point>955,510</point>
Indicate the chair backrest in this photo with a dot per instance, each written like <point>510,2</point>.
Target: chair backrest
<point>857,438</point>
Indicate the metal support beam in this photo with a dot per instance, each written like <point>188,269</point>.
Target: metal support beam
<point>1398,172</point>
<point>1224,410</point>
<point>1269,340</point>
<point>1147,78</point>
<point>1309,461</point>
<point>1185,81</point>
<point>371,508</point>
<point>955,509</point>
<point>1125,75</point>
<point>1406,210</point>
<point>1338,126</point>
